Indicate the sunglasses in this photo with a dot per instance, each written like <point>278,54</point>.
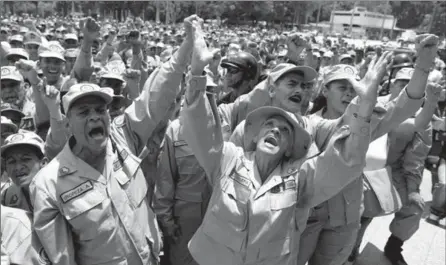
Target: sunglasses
<point>233,70</point>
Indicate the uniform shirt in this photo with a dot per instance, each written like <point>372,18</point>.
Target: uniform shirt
<point>345,207</point>
<point>19,243</point>
<point>94,214</point>
<point>250,222</point>
<point>182,189</point>
<point>14,197</point>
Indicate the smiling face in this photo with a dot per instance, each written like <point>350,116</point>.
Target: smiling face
<point>339,94</point>
<point>22,162</point>
<point>52,68</point>
<point>290,92</point>
<point>275,137</point>
<point>89,121</point>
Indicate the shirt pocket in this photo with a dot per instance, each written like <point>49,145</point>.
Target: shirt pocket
<point>232,206</point>
<point>187,164</point>
<point>283,199</point>
<point>88,214</point>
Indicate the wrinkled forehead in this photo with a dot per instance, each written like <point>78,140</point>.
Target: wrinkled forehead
<point>295,76</point>
<point>278,120</point>
<point>88,102</point>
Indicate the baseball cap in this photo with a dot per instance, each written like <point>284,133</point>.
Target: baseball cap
<point>18,38</point>
<point>17,52</point>
<point>328,54</point>
<point>23,138</point>
<point>7,107</point>
<point>11,73</point>
<point>404,74</point>
<point>285,68</point>
<point>71,53</point>
<point>345,56</point>
<point>78,91</point>
<point>52,50</point>
<point>70,36</point>
<point>32,38</point>
<point>257,117</point>
<point>114,70</point>
<point>8,123</point>
<point>340,71</point>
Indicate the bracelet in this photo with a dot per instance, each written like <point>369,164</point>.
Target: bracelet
<point>427,71</point>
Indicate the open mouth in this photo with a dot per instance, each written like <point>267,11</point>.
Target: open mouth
<point>53,72</point>
<point>271,141</point>
<point>346,102</point>
<point>97,133</point>
<point>296,98</point>
<point>21,175</point>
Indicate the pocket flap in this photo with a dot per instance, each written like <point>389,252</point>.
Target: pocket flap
<point>275,249</point>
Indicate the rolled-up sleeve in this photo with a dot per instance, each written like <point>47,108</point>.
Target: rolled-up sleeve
<point>414,156</point>
<point>51,228</point>
<point>343,160</point>
<point>202,132</point>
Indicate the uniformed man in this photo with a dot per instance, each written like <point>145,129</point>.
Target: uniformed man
<point>20,245</point>
<point>182,193</point>
<point>93,196</point>
<point>24,156</point>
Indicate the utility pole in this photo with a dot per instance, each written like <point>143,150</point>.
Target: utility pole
<point>384,20</point>
<point>434,14</point>
<point>351,18</point>
<point>332,15</point>
<point>318,14</point>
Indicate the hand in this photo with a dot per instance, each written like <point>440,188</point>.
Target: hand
<point>173,232</point>
<point>90,28</point>
<point>132,78</point>
<point>213,65</point>
<point>367,88</point>
<point>135,38</point>
<point>188,25</point>
<point>433,92</point>
<point>27,69</point>
<point>426,46</point>
<point>416,199</point>
<point>50,95</point>
<point>201,56</point>
<point>296,43</point>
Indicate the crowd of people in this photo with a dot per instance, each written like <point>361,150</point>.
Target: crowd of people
<point>141,143</point>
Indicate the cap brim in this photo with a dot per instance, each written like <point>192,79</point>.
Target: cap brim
<point>17,79</point>
<point>13,110</point>
<point>8,146</point>
<point>113,76</point>
<point>52,55</point>
<point>32,42</point>
<point>255,119</point>
<point>229,65</point>
<point>107,98</point>
<point>340,76</point>
<point>309,73</point>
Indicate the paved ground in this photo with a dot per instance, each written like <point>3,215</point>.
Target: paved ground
<point>426,247</point>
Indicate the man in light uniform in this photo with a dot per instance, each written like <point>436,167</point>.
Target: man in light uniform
<point>24,156</point>
<point>93,196</point>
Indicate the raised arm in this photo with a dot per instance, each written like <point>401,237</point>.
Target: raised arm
<point>387,116</point>
<point>199,117</point>
<point>424,117</point>
<point>160,90</point>
<point>84,60</point>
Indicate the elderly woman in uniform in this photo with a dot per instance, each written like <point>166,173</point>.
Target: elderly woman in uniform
<point>258,188</point>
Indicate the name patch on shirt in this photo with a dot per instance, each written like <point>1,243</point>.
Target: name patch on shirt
<point>179,143</point>
<point>76,192</point>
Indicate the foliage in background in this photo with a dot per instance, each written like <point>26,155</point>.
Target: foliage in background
<point>409,14</point>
